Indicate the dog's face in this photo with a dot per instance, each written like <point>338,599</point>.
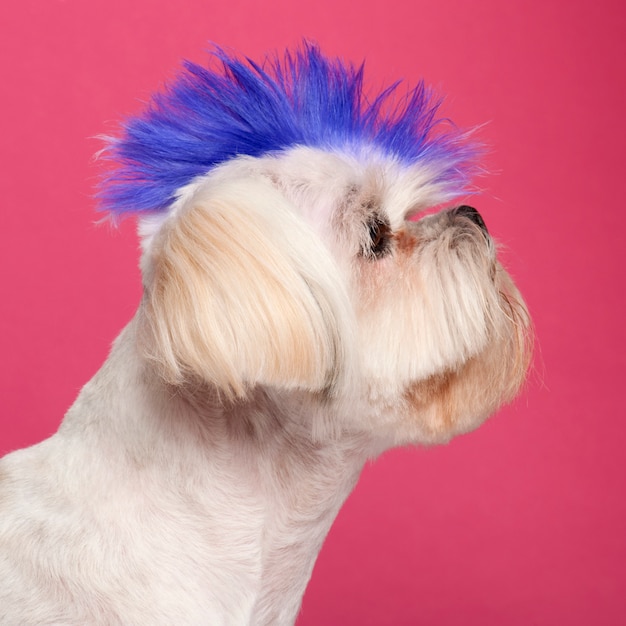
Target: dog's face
<point>306,272</point>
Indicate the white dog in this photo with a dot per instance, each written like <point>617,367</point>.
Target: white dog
<point>295,322</point>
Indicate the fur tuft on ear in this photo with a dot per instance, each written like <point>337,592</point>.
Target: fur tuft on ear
<point>239,291</point>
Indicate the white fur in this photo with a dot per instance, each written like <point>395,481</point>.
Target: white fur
<point>197,474</point>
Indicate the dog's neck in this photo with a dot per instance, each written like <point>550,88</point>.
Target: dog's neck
<point>248,494</point>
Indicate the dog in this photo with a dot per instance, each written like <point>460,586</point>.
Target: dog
<point>299,316</point>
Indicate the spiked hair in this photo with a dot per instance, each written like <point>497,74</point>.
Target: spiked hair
<point>208,116</point>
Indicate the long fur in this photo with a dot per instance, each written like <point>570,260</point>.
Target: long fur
<point>235,253</point>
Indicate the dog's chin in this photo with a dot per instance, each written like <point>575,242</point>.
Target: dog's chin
<point>446,340</point>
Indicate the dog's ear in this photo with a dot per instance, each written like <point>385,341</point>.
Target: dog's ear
<point>239,291</point>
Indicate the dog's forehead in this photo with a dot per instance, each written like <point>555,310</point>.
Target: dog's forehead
<point>321,185</point>
<point>364,181</point>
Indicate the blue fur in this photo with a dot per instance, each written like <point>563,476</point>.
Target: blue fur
<point>209,116</point>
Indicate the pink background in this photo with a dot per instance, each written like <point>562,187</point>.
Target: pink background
<point>522,522</point>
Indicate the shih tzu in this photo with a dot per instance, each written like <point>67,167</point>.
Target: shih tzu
<point>297,319</point>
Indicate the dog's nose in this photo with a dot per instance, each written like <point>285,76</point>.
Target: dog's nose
<point>471,214</point>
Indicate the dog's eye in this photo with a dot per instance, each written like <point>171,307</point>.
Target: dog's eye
<point>379,233</point>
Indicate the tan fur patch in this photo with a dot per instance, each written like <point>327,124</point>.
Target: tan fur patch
<point>405,242</point>
<point>455,401</point>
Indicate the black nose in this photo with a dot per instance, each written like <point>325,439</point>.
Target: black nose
<point>471,214</point>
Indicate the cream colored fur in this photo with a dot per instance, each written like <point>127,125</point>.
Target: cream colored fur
<point>275,350</point>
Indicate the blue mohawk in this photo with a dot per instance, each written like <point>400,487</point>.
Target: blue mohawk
<point>207,117</point>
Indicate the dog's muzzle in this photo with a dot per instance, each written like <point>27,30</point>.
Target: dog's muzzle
<point>471,214</point>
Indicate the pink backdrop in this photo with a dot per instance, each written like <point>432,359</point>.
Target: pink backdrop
<point>522,522</point>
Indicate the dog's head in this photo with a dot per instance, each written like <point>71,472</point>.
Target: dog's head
<point>280,249</point>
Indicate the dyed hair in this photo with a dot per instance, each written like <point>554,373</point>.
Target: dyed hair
<point>208,116</point>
